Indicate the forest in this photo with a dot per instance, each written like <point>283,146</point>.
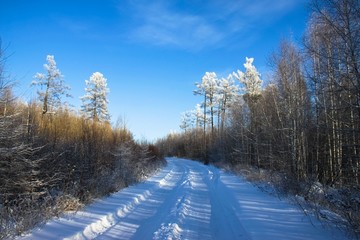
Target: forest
<point>296,129</point>
<point>55,159</point>
<point>302,128</point>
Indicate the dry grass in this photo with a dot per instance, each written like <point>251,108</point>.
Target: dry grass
<point>67,161</point>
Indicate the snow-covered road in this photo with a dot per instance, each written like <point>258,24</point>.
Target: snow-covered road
<point>187,200</point>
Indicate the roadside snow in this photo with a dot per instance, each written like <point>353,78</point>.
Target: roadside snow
<point>187,200</point>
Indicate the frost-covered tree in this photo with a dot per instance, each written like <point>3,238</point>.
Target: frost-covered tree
<point>95,100</point>
<point>250,79</point>
<point>226,94</point>
<point>52,86</point>
<point>187,120</point>
<point>199,116</point>
<point>251,94</point>
<point>208,88</point>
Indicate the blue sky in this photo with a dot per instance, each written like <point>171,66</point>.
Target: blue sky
<point>151,52</point>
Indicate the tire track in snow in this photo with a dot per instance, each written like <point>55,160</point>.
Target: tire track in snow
<point>107,222</point>
<point>162,200</point>
<point>187,200</point>
<point>190,216</point>
<point>225,222</point>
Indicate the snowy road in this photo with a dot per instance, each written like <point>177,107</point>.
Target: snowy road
<point>187,200</point>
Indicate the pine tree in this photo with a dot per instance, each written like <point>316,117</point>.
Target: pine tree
<point>199,116</point>
<point>53,84</point>
<point>187,120</point>
<point>226,94</point>
<point>95,100</point>
<point>252,92</point>
<point>207,88</point>
<point>250,79</point>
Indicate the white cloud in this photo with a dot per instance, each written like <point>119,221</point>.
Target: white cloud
<point>162,26</point>
<point>211,25</point>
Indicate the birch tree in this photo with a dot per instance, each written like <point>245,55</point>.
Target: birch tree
<point>332,42</point>
<point>294,106</point>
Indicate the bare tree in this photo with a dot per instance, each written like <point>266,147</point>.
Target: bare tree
<point>332,42</point>
<point>294,105</point>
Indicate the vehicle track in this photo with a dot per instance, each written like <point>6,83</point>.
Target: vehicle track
<point>187,200</point>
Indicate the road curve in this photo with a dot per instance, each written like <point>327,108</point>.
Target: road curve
<point>187,200</point>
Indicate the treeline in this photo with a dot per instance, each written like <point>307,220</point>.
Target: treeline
<point>53,159</point>
<point>304,125</point>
